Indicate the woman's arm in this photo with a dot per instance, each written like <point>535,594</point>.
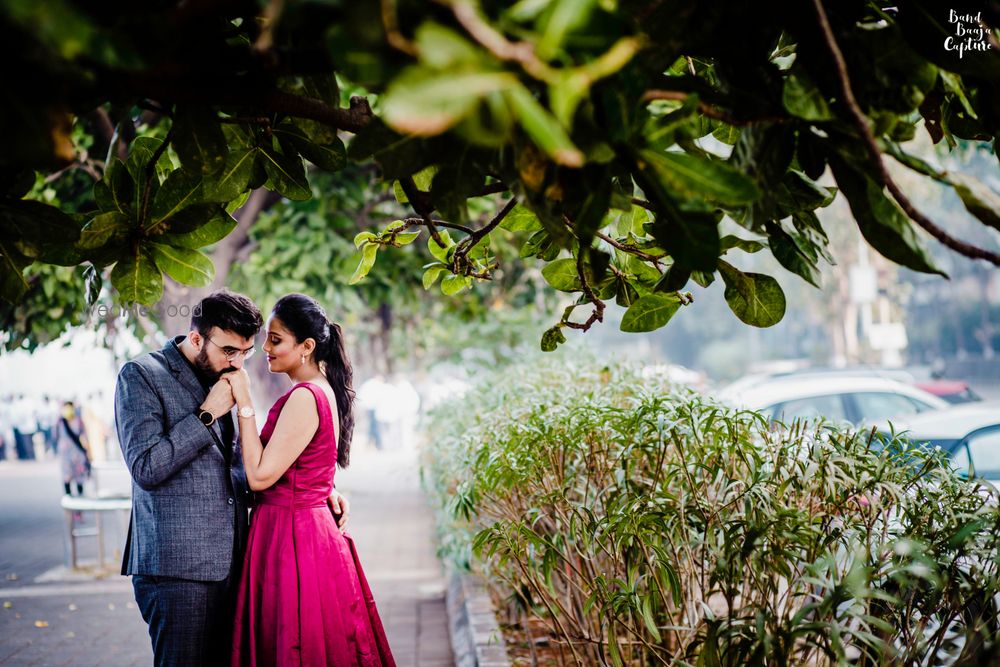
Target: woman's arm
<point>296,426</point>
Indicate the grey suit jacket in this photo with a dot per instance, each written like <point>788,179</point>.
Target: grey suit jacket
<point>189,506</point>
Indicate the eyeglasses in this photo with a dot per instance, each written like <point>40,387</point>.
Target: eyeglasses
<point>232,352</point>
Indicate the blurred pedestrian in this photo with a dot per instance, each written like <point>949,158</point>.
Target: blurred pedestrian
<point>72,449</point>
<point>25,427</point>
<point>47,415</point>
<point>373,395</point>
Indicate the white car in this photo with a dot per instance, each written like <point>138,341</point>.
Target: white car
<point>970,434</point>
<point>857,399</point>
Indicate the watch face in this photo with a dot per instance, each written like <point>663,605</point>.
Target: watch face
<point>246,411</point>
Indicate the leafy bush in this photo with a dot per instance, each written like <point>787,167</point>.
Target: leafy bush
<point>647,525</point>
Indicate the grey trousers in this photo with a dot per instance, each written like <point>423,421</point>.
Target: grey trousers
<point>190,622</point>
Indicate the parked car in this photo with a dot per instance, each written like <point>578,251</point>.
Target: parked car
<point>970,434</point>
<point>953,391</point>
<point>838,397</point>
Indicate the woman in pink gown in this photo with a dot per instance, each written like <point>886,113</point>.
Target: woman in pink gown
<point>303,598</point>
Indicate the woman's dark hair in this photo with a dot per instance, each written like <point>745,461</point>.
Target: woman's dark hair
<point>229,311</point>
<point>305,318</point>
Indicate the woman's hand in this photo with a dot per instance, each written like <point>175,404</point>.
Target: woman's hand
<point>340,507</point>
<point>239,381</point>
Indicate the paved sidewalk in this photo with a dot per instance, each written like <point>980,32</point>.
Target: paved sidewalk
<point>47,618</point>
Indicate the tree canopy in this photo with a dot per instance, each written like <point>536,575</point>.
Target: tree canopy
<point>613,137</point>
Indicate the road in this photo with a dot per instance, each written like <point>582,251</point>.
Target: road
<point>52,617</point>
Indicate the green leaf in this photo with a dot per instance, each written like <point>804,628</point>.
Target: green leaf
<point>217,228</point>
<point>432,273</point>
<point>703,278</point>
<point>118,190</point>
<point>727,134</point>
<point>881,221</point>
<point>137,279</point>
<point>786,250</point>
<point>233,178</point>
<point>368,253</point>
<point>521,219</point>
<point>406,238</point>
<point>696,176</point>
<point>12,283</point>
<point>802,98</point>
<point>140,152</point>
<point>40,232</point>
<point>442,48</point>
<point>564,17</point>
<point>755,298</point>
<point>439,253</point>
<point>323,87</point>
<point>746,245</point>
<point>798,193</point>
<point>36,226</point>
<point>93,282</point>
<point>103,228</point>
<point>237,203</point>
<point>363,237</point>
<point>542,127</point>
<point>188,219</point>
<point>552,338</point>
<point>979,199</point>
<point>186,266</point>
<point>453,284</point>
<point>397,155</point>
<point>426,102</point>
<point>286,174</point>
<point>562,275</point>
<point>180,190</point>
<point>199,141</point>
<point>650,312</point>
<point>331,155</point>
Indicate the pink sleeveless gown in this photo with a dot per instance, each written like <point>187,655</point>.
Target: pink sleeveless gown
<point>303,598</point>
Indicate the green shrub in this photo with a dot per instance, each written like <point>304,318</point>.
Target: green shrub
<point>647,525</point>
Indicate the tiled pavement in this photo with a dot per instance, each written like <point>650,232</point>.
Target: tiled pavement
<point>47,618</point>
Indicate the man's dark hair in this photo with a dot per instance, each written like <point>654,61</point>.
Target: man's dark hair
<point>229,311</point>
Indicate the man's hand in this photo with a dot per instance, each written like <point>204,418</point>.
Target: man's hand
<point>340,507</point>
<point>240,382</point>
<point>219,400</point>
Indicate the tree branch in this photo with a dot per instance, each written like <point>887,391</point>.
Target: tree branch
<point>252,95</point>
<point>875,155</point>
<point>487,36</point>
<point>392,34</point>
<point>440,223</point>
<point>597,315</point>
<point>460,261</point>
<point>353,119</point>
<point>492,189</point>
<point>711,111</point>
<point>422,204</point>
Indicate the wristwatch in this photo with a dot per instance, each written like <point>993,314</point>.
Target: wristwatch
<point>247,411</point>
<point>206,417</point>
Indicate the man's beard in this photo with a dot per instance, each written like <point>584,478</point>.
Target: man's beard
<point>205,368</point>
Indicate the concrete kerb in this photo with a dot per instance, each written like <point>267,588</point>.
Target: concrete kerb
<point>476,638</point>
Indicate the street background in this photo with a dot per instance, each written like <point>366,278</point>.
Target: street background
<point>50,616</point>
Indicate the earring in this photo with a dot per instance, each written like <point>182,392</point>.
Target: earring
<point>303,363</point>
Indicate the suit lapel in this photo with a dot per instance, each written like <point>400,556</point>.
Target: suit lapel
<point>181,370</point>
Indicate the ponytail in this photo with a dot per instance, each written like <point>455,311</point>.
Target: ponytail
<point>340,375</point>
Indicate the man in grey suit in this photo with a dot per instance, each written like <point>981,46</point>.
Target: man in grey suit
<point>190,499</point>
